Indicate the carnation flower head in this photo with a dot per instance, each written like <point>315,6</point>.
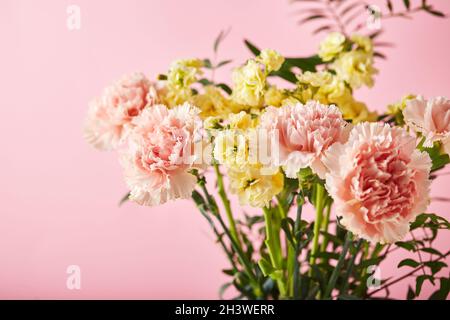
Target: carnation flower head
<point>304,133</point>
<point>110,115</point>
<point>160,154</point>
<point>431,118</point>
<point>378,180</point>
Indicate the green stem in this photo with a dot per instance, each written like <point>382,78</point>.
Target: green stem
<point>298,237</point>
<point>348,273</point>
<point>218,236</point>
<point>320,191</point>
<point>212,206</point>
<point>326,222</point>
<point>242,257</point>
<point>227,205</point>
<point>340,263</point>
<point>274,247</point>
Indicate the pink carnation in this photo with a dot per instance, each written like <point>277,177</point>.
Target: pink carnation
<point>431,118</point>
<point>305,132</point>
<point>379,181</point>
<point>160,154</point>
<point>110,115</point>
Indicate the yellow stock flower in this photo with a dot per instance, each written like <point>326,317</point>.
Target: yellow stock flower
<point>248,84</point>
<point>356,111</point>
<point>182,74</point>
<point>271,59</point>
<point>364,43</point>
<point>397,107</point>
<point>273,97</point>
<point>231,148</point>
<point>356,68</point>
<point>242,121</point>
<point>212,103</point>
<point>255,185</point>
<point>331,46</point>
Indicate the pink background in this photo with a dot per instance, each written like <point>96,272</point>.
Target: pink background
<point>58,196</point>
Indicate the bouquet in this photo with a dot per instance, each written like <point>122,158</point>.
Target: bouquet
<point>280,149</point>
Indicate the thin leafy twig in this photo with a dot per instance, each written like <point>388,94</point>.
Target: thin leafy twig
<point>388,284</point>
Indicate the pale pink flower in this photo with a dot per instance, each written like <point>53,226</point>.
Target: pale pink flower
<point>431,118</point>
<point>109,116</point>
<point>379,181</point>
<point>160,154</point>
<point>304,133</point>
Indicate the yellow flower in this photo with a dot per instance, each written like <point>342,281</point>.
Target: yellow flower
<point>331,46</point>
<point>290,101</point>
<point>397,107</point>
<point>273,97</point>
<point>248,84</point>
<point>356,68</point>
<point>254,185</point>
<point>363,42</point>
<point>212,103</point>
<point>242,121</point>
<point>183,73</point>
<point>321,86</point>
<point>356,111</point>
<point>176,96</point>
<point>315,79</point>
<point>213,123</point>
<point>231,148</point>
<point>271,59</point>
<point>330,89</point>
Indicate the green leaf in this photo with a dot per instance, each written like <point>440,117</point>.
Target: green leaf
<point>124,199</point>
<point>252,47</point>
<point>224,288</point>
<point>408,262</point>
<point>311,18</point>
<point>305,64</point>
<point>222,63</point>
<point>432,251</point>
<point>434,12</point>
<point>407,4</point>
<point>420,280</point>
<point>443,291</point>
<point>287,224</point>
<point>410,295</point>
<point>205,82</point>
<point>328,255</point>
<point>285,74</point>
<point>229,272</point>
<point>224,87</point>
<point>438,160</point>
<point>266,267</point>
<point>406,245</point>
<point>207,63</point>
<point>389,5</point>
<point>222,35</point>
<point>435,266</point>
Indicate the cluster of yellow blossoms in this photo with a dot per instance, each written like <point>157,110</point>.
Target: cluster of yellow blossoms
<point>348,64</point>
